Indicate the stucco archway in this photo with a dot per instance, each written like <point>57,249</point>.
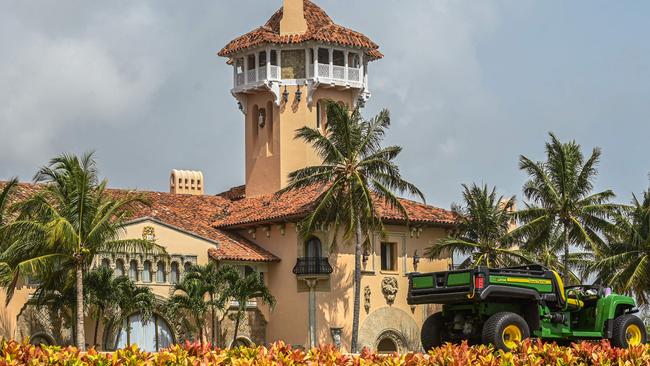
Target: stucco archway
<point>388,322</point>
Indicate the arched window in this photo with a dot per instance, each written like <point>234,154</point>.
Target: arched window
<point>160,272</point>
<point>313,248</point>
<point>150,336</point>
<point>133,270</point>
<point>119,268</point>
<point>255,121</point>
<point>386,345</point>
<point>106,263</point>
<point>146,272</point>
<point>174,273</point>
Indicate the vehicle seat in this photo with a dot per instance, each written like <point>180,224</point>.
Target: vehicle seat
<point>569,304</point>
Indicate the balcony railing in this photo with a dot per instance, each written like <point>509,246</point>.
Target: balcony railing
<point>312,266</point>
<point>334,73</point>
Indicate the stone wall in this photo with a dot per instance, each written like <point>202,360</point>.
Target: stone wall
<point>252,327</point>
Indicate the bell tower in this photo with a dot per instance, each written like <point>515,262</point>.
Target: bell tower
<point>282,74</point>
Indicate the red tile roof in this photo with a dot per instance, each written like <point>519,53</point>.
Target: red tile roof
<point>193,214</point>
<point>296,205</point>
<point>320,28</point>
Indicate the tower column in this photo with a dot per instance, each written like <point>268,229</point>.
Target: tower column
<point>331,54</point>
<point>245,70</point>
<point>257,66</point>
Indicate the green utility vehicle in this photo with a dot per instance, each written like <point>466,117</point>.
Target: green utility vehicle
<point>502,306</point>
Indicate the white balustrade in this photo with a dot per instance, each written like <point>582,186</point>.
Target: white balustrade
<point>339,72</point>
<point>354,74</point>
<point>252,76</point>
<point>324,70</point>
<point>327,71</point>
<point>275,72</point>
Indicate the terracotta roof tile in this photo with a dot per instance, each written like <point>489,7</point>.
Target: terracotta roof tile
<point>320,28</point>
<point>193,214</point>
<point>293,206</point>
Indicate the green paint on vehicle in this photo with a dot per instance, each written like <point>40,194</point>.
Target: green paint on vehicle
<point>423,282</point>
<point>458,279</point>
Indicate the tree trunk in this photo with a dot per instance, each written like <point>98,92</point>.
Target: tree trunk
<point>566,257</point>
<point>212,321</point>
<point>357,287</point>
<point>198,324</point>
<point>81,337</point>
<point>239,315</point>
<point>99,315</point>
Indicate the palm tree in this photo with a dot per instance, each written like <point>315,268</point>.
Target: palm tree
<point>131,299</point>
<point>483,231</point>
<point>545,249</point>
<point>69,221</point>
<point>215,279</point>
<point>242,290</point>
<point>624,263</point>
<point>358,174</point>
<point>5,197</point>
<point>560,193</point>
<point>190,297</point>
<point>101,290</point>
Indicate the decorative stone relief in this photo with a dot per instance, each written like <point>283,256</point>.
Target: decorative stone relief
<point>366,298</point>
<point>389,287</point>
<point>148,233</point>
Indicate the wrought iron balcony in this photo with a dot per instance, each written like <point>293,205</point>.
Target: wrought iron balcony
<point>312,266</point>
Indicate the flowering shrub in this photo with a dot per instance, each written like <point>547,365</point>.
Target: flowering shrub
<point>529,353</point>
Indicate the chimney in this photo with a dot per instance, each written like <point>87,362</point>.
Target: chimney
<point>293,18</point>
<point>186,182</point>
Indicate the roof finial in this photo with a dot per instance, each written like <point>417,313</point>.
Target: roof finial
<point>293,18</point>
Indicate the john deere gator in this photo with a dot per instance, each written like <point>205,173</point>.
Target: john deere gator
<point>502,306</point>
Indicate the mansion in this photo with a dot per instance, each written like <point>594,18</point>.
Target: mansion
<point>283,71</point>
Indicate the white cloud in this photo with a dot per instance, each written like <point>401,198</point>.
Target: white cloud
<point>52,83</point>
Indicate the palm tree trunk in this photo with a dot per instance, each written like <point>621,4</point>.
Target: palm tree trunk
<point>212,321</point>
<point>357,287</point>
<point>566,257</point>
<point>81,337</point>
<point>239,315</point>
<point>99,314</point>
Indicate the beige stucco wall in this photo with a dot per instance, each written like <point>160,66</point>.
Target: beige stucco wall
<point>175,242</point>
<point>273,152</point>
<point>289,320</point>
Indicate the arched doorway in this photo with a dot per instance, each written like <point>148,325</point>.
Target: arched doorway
<point>151,336</point>
<point>390,341</point>
<point>241,342</point>
<point>41,339</point>
<point>386,346</point>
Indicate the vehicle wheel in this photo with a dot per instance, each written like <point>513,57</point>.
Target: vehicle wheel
<point>504,330</point>
<point>433,332</point>
<point>628,330</point>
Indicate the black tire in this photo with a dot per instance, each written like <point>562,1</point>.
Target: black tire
<point>494,327</point>
<point>433,332</point>
<point>622,330</point>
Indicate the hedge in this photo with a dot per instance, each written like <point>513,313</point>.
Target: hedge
<point>529,353</point>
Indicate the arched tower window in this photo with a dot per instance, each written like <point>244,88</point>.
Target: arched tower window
<point>313,248</point>
<point>269,128</point>
<point>254,121</point>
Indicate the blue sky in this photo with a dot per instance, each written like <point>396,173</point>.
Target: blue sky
<point>471,85</point>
